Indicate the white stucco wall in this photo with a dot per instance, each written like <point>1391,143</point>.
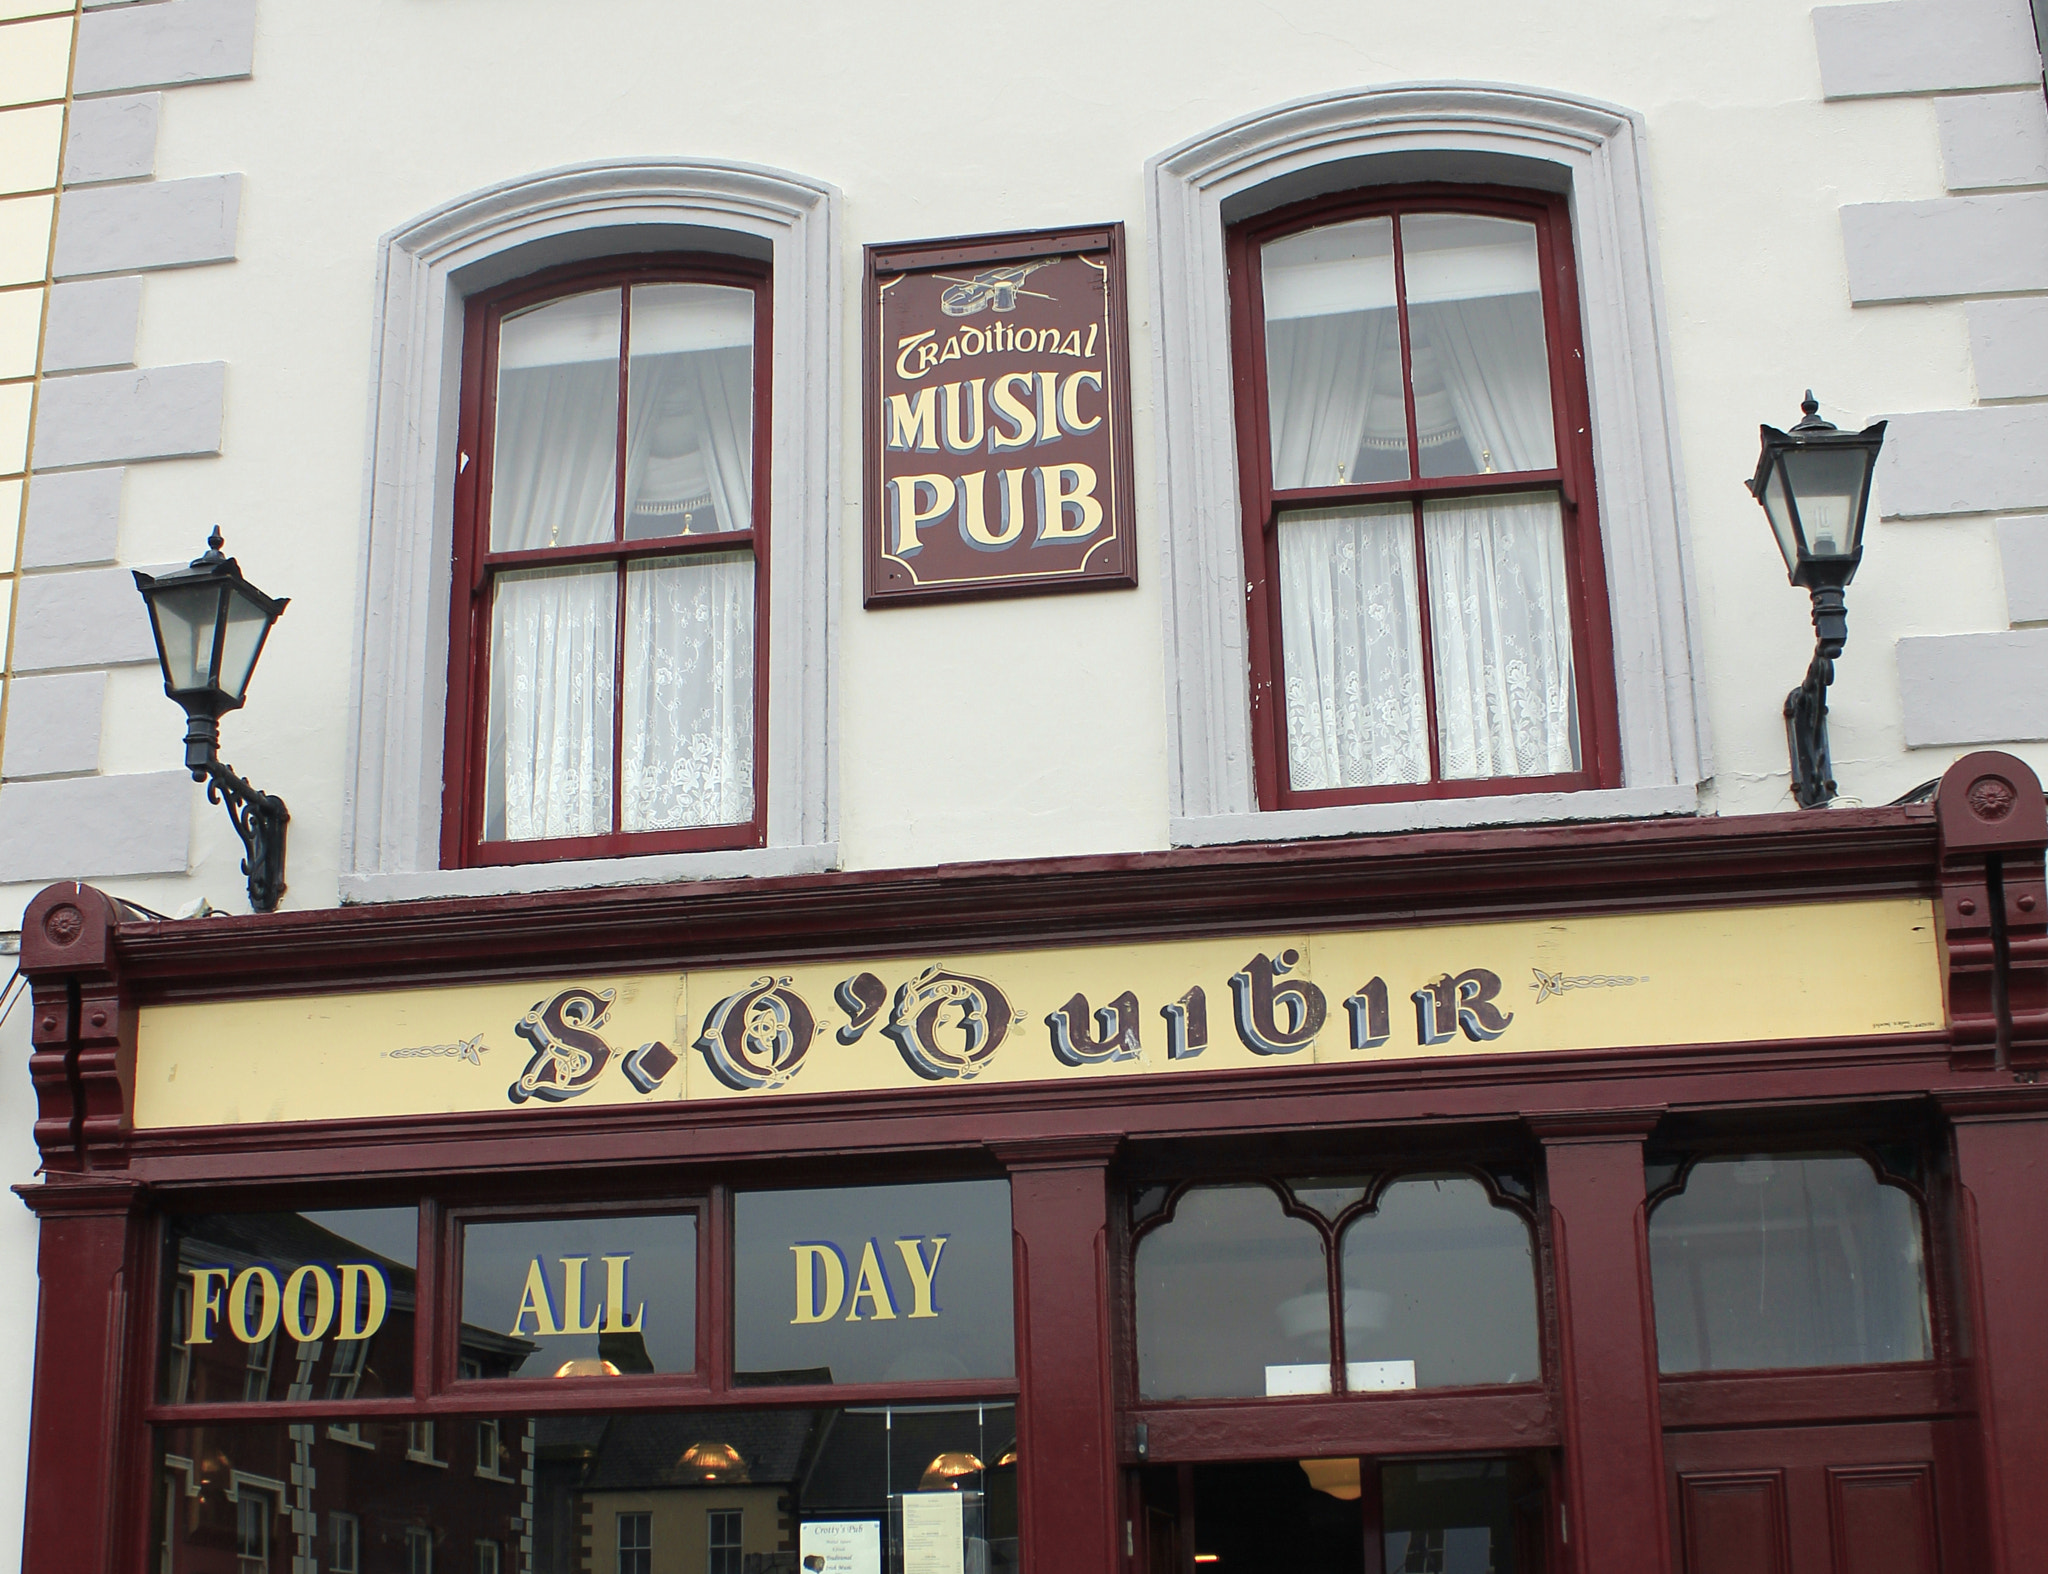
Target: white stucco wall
<point>1034,726</point>
<point>1009,728</point>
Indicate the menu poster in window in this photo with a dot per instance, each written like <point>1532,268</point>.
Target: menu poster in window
<point>997,417</point>
<point>840,1546</point>
<point>933,1533</point>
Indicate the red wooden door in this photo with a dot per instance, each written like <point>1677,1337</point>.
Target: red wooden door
<point>1868,1499</point>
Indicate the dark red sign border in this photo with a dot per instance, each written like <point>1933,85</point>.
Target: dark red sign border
<point>1119,564</point>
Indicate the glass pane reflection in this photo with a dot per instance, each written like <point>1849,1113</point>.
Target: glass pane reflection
<point>591,1297</point>
<point>581,1490</point>
<point>1233,1300</point>
<point>1785,1260</point>
<point>275,1306</point>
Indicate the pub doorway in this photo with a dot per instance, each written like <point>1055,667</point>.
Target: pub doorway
<point>1465,1515</point>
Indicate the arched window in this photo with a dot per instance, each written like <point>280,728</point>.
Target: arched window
<point>610,620</point>
<point>1787,1260</point>
<point>1235,1289</point>
<point>1427,609</point>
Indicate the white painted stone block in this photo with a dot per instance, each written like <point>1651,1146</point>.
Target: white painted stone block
<point>93,324</point>
<point>149,224</point>
<point>93,617</point>
<point>1965,461</point>
<point>73,518</point>
<point>53,725</point>
<point>1974,688</point>
<point>2000,139</point>
<point>96,827</point>
<point>112,139</point>
<point>157,412</point>
<point>2023,553</point>
<point>164,45</point>
<point>1924,46</point>
<point>2009,344</point>
<point>1914,251</point>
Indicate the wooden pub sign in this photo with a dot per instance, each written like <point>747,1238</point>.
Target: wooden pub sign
<point>997,417</point>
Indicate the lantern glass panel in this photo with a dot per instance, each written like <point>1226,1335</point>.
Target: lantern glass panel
<point>1828,483</point>
<point>186,617</point>
<point>248,622</point>
<point>1779,507</point>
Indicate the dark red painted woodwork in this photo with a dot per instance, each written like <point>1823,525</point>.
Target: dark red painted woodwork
<point>1433,1421</point>
<point>1847,1500</point>
<point>1572,479</point>
<point>1882,1519</point>
<point>1613,1453</point>
<point>1733,1522</point>
<point>1066,1483</point>
<point>87,1351</point>
<point>1712,1401</point>
<point>83,1026</point>
<point>1994,909</point>
<point>2001,1159</point>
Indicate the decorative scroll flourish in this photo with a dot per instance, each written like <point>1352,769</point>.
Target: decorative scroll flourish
<point>259,819</point>
<point>1549,984</point>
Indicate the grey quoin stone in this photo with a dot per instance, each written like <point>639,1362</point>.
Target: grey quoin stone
<point>73,518</point>
<point>96,827</point>
<point>53,725</point>
<point>2023,553</point>
<point>150,224</point>
<point>1974,688</point>
<point>90,617</point>
<point>92,324</point>
<point>157,412</point>
<point>1965,461</point>
<point>111,139</point>
<point>168,45</point>
<point>2000,139</point>
<point>2009,344</point>
<point>1924,46</point>
<point>1915,251</point>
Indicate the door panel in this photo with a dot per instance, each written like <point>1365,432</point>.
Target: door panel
<point>1817,1500</point>
<point>1733,1522</point>
<point>1882,1520</point>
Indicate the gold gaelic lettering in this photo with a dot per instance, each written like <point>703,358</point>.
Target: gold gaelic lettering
<point>813,1258</point>
<point>615,1298</point>
<point>238,1305</point>
<point>907,518</point>
<point>572,1299</point>
<point>1010,405</point>
<point>1064,485</point>
<point>295,1323</point>
<point>1070,403</point>
<point>871,1282</point>
<point>371,1277</point>
<point>206,1302</point>
<point>535,1304</point>
<point>907,349</point>
<point>911,1250</point>
<point>914,420</point>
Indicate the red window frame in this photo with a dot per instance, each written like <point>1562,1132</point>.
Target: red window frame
<point>1572,480</point>
<point>476,566</point>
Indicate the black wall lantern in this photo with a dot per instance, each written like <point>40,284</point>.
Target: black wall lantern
<point>1814,483</point>
<point>210,625</point>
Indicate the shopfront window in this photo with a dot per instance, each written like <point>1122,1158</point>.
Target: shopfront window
<point>873,1284</point>
<point>591,1296</point>
<point>724,1490</point>
<point>280,1306</point>
<point>1236,1285</point>
<point>579,1409</point>
<point>1769,1261</point>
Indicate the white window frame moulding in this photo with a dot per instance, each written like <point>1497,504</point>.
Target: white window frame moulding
<point>1459,131</point>
<point>391,817</point>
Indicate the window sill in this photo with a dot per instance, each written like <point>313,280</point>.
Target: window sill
<point>580,873</point>
<point>1436,814</point>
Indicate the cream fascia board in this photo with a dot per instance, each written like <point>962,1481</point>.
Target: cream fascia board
<point>1420,131</point>
<point>391,819</point>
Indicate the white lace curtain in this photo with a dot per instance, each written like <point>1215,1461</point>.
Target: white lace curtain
<point>686,748</point>
<point>1500,620</point>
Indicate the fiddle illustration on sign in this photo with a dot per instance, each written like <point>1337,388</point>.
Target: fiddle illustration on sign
<point>998,449</point>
